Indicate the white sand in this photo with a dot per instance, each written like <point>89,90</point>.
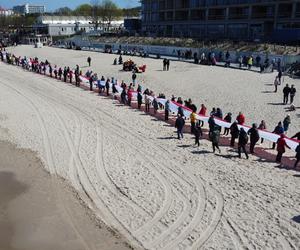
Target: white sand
<point>159,192</point>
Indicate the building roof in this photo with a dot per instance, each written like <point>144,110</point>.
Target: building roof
<point>70,20</point>
<point>63,19</point>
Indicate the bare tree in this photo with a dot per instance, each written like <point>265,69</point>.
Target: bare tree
<point>104,12</point>
<point>95,13</point>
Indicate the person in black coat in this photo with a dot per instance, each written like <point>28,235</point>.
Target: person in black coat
<point>211,123</point>
<point>89,60</point>
<point>167,110</point>
<point>228,118</point>
<point>133,78</point>
<point>65,74</point>
<point>60,73</point>
<point>107,86</point>
<point>297,155</point>
<point>279,75</point>
<point>234,131</point>
<point>254,137</point>
<point>77,80</point>
<point>296,136</point>
<point>292,94</point>
<point>243,140</point>
<point>286,91</point>
<point>179,124</point>
<point>168,64</point>
<point>139,100</point>
<point>198,133</point>
<point>164,64</point>
<point>123,96</point>
<point>91,83</point>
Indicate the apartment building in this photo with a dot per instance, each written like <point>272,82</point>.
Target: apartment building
<point>217,19</point>
<point>6,12</point>
<point>29,9</point>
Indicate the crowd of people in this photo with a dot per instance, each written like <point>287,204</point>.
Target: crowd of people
<point>150,100</point>
<point>243,61</point>
<point>289,92</point>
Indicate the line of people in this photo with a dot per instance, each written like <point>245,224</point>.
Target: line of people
<point>236,133</point>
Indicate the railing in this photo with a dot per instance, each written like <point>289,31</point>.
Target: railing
<point>262,15</point>
<point>229,2</point>
<point>216,17</point>
<point>238,16</point>
<point>284,14</point>
<point>198,17</point>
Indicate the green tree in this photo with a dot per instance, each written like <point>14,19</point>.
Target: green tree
<point>109,12</point>
<point>83,10</point>
<point>64,11</point>
<point>132,12</point>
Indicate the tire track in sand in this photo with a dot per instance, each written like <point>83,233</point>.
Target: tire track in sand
<point>50,160</point>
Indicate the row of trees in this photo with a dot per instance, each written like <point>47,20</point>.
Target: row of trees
<point>100,11</point>
<point>105,9</point>
<point>14,21</point>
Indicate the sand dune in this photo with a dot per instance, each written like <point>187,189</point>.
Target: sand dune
<point>159,192</point>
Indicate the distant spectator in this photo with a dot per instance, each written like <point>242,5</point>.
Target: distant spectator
<point>292,94</point>
<point>286,91</point>
<point>89,60</point>
<point>276,83</point>
<point>279,75</point>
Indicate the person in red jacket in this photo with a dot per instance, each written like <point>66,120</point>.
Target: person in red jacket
<point>281,144</point>
<point>70,75</point>
<point>202,112</point>
<point>240,118</point>
<point>129,96</point>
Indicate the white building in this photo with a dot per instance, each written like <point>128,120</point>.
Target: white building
<point>29,9</point>
<point>70,25</point>
<point>62,25</point>
<point>5,12</point>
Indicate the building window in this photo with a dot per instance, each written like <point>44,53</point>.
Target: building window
<point>237,30</point>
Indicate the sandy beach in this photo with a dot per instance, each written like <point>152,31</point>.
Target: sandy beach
<point>39,211</point>
<point>160,193</point>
